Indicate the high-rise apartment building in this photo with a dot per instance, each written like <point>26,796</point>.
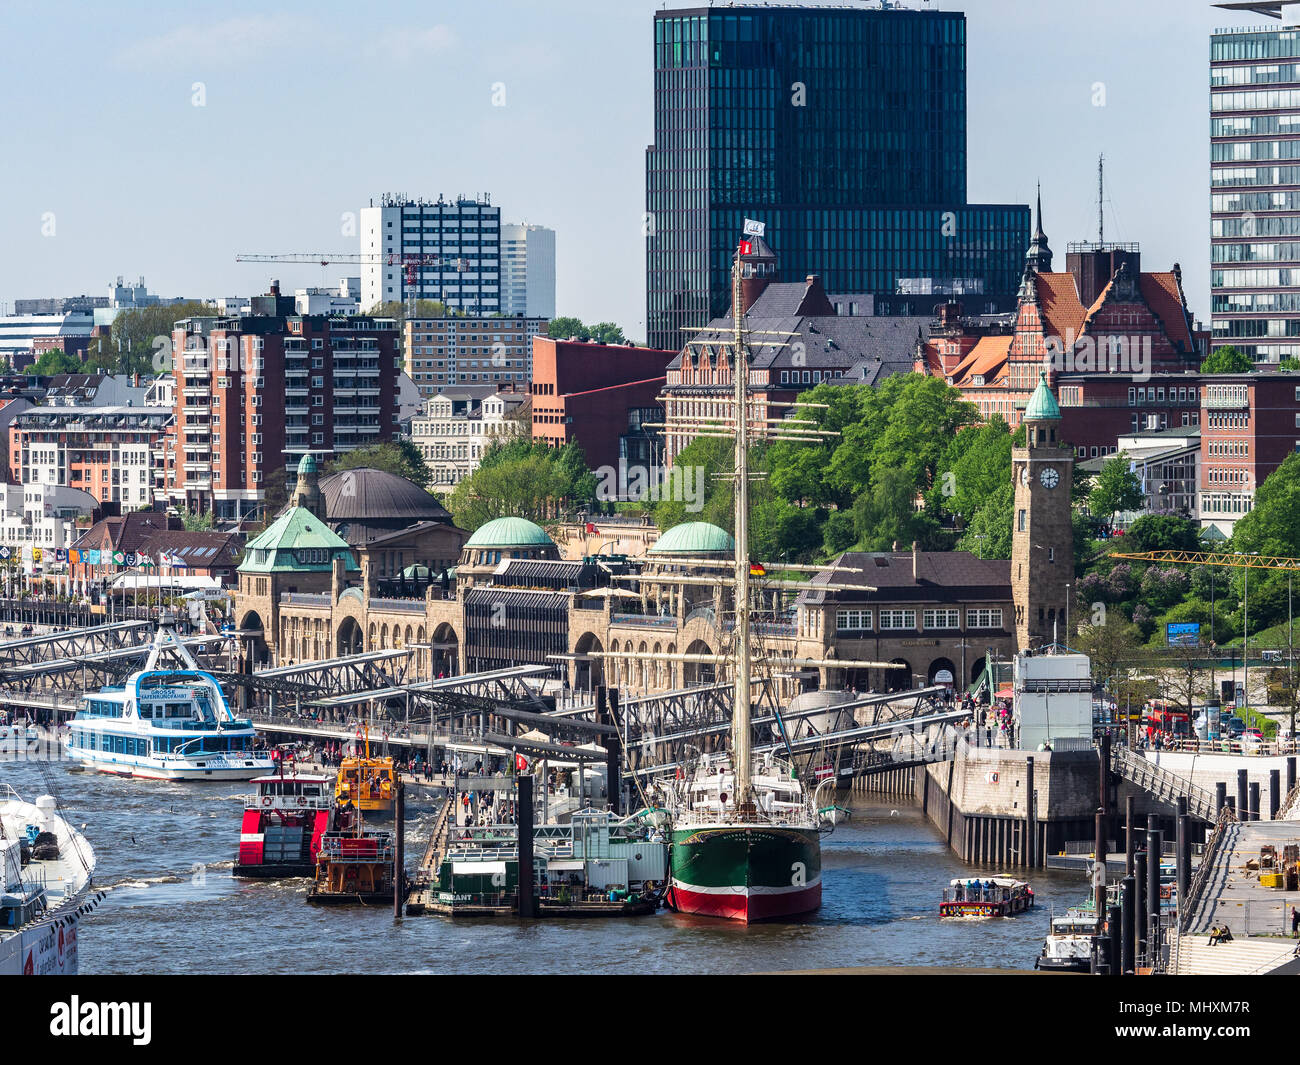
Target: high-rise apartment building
<point>528,270</point>
<point>1255,183</point>
<point>457,351</point>
<point>844,131</point>
<point>256,392</point>
<point>435,249</point>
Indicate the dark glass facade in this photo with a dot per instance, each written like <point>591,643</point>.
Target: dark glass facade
<point>843,130</point>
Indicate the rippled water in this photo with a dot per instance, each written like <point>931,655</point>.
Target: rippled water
<point>166,850</point>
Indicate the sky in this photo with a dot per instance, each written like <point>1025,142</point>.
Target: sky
<point>161,139</point>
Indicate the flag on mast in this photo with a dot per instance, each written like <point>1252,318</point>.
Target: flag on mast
<point>754,228</point>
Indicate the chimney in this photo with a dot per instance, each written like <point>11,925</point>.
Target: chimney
<point>275,288</point>
<point>916,561</point>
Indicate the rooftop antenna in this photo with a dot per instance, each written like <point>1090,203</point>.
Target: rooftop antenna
<point>1101,225</point>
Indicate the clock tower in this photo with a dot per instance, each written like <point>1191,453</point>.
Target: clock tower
<point>1042,538</point>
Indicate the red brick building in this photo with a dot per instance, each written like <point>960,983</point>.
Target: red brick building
<point>1119,344</point>
<point>256,392</point>
<point>1249,424</point>
<point>586,392</point>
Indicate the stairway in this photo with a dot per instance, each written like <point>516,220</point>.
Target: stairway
<point>1238,957</point>
<point>1163,784</point>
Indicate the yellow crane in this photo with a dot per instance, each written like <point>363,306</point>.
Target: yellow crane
<point>1237,560</point>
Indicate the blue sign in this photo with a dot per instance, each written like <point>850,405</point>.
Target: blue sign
<point>1185,632</point>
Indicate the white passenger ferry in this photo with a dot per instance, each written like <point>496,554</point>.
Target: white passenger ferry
<point>165,724</point>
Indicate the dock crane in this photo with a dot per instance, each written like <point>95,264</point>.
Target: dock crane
<point>411,265</point>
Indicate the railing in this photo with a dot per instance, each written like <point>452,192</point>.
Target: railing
<point>1270,748</point>
<point>1163,784</point>
<point>1186,907</point>
<point>652,620</point>
<point>408,606</point>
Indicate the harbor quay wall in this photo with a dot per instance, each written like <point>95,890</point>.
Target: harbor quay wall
<point>979,801</point>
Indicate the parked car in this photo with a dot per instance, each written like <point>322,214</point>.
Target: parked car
<point>1235,727</point>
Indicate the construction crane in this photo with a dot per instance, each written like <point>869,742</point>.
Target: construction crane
<point>411,265</point>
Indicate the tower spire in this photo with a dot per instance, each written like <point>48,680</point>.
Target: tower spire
<point>1039,256</point>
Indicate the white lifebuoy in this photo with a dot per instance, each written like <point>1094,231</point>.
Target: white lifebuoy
<point>266,800</point>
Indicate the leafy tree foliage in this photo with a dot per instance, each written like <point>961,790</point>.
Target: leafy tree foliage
<point>523,478</point>
<point>400,457</point>
<point>1116,489</point>
<point>562,328</point>
<point>1227,359</point>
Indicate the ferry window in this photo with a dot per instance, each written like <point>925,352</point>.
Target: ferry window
<point>311,790</point>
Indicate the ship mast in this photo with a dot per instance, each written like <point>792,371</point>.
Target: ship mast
<point>740,727</point>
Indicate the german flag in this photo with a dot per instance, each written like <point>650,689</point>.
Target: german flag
<point>756,569</point>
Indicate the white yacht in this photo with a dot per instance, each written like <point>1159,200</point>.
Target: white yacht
<point>165,724</point>
<point>46,869</point>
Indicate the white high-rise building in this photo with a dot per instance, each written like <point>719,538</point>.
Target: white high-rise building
<point>450,250</point>
<point>528,270</point>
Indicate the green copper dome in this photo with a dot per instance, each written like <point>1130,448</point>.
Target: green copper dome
<point>307,464</point>
<point>1042,404</point>
<point>510,532</point>
<point>694,538</point>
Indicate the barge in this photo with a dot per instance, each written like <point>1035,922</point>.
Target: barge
<point>998,896</point>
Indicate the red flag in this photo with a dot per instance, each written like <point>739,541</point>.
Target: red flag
<point>521,763</point>
<point>591,529</point>
<point>745,247</point>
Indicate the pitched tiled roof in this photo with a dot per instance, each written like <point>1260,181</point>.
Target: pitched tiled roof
<point>1164,295</point>
<point>197,549</point>
<point>988,358</point>
<point>1059,305</point>
<point>127,532</point>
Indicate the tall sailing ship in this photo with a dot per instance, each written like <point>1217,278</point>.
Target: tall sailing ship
<point>746,837</point>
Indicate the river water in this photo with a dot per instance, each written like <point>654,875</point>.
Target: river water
<point>166,851</point>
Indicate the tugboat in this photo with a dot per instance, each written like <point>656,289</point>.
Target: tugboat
<point>283,825</point>
<point>998,896</point>
<point>365,781</point>
<point>354,864</point>
<point>1068,946</point>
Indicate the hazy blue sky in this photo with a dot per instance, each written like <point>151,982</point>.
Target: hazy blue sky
<point>312,109</point>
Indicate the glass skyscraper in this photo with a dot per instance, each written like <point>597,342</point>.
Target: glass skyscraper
<point>844,130</point>
<point>1255,185</point>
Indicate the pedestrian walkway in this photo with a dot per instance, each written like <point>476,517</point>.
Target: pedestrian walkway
<point>1238,957</point>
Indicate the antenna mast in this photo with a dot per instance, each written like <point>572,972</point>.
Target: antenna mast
<point>1101,225</point>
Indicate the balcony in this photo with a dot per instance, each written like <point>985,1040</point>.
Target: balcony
<point>1225,402</point>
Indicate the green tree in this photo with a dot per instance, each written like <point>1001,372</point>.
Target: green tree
<point>1162,532</point>
<point>526,479</point>
<point>197,521</point>
<point>562,328</point>
<point>53,361</point>
<point>141,339</point>
<point>1117,651</point>
<point>397,309</point>
<point>607,333</point>
<point>1227,359</point>
<point>399,456</point>
<point>989,533</point>
<point>974,466</point>
<point>1116,489</point>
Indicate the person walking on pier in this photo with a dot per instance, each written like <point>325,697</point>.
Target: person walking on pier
<point>1295,923</point>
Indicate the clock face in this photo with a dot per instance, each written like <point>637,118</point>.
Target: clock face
<point>1024,475</point>
<point>1050,478</point>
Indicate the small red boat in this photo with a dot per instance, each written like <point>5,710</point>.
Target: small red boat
<point>284,824</point>
<point>999,896</point>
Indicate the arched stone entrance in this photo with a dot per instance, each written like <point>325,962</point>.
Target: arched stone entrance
<point>694,673</point>
<point>897,680</point>
<point>254,648</point>
<point>445,652</point>
<point>945,666</point>
<point>588,673</point>
<point>349,639</point>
